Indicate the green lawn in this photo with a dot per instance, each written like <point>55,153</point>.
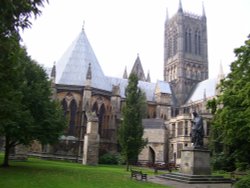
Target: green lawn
<point>36,173</point>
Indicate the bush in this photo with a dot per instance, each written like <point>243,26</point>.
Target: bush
<point>242,166</point>
<point>111,158</point>
<point>222,162</point>
<point>243,183</point>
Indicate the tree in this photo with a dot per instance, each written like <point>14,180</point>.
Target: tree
<point>131,130</point>
<point>28,113</point>
<point>16,14</point>
<point>231,124</point>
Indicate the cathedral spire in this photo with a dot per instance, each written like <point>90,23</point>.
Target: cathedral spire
<point>125,74</point>
<point>138,70</point>
<point>221,73</point>
<point>180,10</point>
<point>166,16</point>
<point>203,10</point>
<point>148,77</point>
<point>83,24</point>
<point>53,71</point>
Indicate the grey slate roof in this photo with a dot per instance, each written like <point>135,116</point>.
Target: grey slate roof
<point>147,87</point>
<point>164,87</point>
<point>72,68</point>
<point>207,87</point>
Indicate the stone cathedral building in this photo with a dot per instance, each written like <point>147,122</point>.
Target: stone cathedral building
<point>81,86</point>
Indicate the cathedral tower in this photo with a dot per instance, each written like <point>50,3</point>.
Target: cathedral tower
<point>185,52</point>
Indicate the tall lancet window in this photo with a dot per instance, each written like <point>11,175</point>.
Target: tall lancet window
<point>101,119</point>
<point>197,43</point>
<point>72,122</point>
<point>188,40</point>
<point>170,44</point>
<point>174,42</point>
<point>64,107</point>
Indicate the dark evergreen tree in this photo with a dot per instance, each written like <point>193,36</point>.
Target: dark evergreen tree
<point>131,129</point>
<point>231,125</point>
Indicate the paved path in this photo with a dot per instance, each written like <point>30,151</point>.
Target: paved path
<point>175,184</point>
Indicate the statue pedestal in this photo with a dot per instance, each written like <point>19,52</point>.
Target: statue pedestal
<point>91,143</point>
<point>195,161</point>
<point>195,169</point>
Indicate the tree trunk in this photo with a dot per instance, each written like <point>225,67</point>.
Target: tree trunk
<point>127,164</point>
<point>6,153</point>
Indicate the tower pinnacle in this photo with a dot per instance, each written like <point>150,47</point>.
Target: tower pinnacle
<point>166,16</point>
<point>203,10</point>
<point>89,73</point>
<point>180,10</point>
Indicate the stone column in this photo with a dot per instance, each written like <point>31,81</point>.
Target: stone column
<point>91,142</point>
<point>195,161</point>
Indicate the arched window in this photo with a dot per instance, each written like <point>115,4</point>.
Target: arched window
<point>175,42</point>
<point>72,122</point>
<point>186,41</point>
<point>64,106</point>
<point>101,118</point>
<point>197,43</point>
<point>170,44</point>
<point>189,41</point>
<point>95,108</point>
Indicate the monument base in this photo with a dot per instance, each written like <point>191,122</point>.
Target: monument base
<point>195,169</point>
<point>195,161</point>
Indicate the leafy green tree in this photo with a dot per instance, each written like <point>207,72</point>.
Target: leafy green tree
<point>131,130</point>
<point>231,125</point>
<point>15,15</point>
<point>28,113</point>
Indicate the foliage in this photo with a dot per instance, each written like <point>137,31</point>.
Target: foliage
<point>220,161</point>
<point>16,14</point>
<point>111,158</point>
<point>44,173</point>
<point>231,124</point>
<point>131,130</point>
<point>243,183</point>
<point>27,112</point>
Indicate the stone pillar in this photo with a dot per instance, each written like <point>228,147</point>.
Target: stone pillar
<point>91,142</point>
<point>195,161</point>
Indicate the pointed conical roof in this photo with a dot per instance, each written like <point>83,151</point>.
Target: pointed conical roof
<point>137,69</point>
<point>72,68</point>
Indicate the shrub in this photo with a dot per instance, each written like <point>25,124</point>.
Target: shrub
<point>243,183</point>
<point>222,162</point>
<point>111,158</point>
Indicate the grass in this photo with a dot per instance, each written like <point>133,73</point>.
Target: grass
<point>36,173</point>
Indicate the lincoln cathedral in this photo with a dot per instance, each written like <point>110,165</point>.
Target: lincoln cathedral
<point>80,85</point>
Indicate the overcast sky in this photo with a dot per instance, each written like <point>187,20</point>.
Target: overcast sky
<point>120,29</point>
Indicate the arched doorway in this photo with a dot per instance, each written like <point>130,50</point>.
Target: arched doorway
<point>151,157</point>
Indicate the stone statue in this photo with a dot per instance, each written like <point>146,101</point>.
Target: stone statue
<point>197,132</point>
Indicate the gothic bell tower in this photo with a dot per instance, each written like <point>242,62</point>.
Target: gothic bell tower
<point>185,52</point>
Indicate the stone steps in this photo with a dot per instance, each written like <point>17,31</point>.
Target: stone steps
<point>195,179</point>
